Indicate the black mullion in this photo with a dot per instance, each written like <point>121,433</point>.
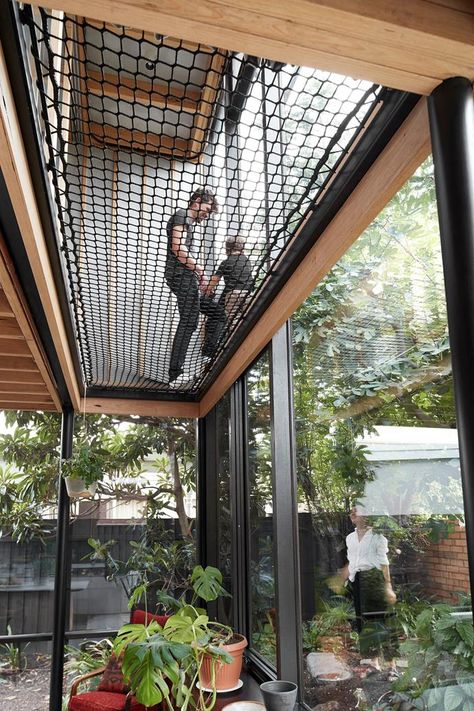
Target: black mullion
<point>238,513</point>
<point>62,578</point>
<point>285,511</point>
<point>209,553</point>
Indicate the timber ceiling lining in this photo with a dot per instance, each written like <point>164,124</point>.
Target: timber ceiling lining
<point>25,380</point>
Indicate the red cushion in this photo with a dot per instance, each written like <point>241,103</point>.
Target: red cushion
<point>104,701</point>
<point>112,678</point>
<point>140,617</point>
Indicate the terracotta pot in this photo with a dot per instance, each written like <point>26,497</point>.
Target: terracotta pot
<point>77,489</point>
<point>226,675</point>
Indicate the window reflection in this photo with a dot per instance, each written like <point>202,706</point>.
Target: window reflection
<point>262,578</point>
<point>385,586</point>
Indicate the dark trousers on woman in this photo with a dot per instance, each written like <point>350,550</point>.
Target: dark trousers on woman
<point>185,286</point>
<point>376,626</point>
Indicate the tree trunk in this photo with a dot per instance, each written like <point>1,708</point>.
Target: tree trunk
<point>178,492</point>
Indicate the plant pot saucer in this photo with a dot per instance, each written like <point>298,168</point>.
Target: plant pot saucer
<point>239,685</point>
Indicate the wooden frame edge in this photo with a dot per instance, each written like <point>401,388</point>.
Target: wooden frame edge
<point>14,166</point>
<point>147,408</point>
<point>405,152</point>
<point>412,47</point>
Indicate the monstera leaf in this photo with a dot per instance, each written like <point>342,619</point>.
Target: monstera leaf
<point>188,625</point>
<point>150,663</point>
<point>207,582</point>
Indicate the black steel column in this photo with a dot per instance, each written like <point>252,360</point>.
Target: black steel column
<point>285,510</point>
<point>238,475</point>
<point>62,580</point>
<point>451,112</point>
<point>207,497</point>
<point>201,503</point>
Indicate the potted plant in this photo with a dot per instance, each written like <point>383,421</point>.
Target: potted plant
<point>182,661</point>
<point>82,472</point>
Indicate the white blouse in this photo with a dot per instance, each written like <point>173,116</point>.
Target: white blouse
<point>370,552</point>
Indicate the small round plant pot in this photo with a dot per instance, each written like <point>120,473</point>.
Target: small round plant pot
<point>77,489</point>
<point>279,695</point>
<point>226,675</point>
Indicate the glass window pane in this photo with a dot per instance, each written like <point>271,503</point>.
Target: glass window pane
<point>29,472</point>
<point>139,527</point>
<point>262,572</point>
<point>385,586</point>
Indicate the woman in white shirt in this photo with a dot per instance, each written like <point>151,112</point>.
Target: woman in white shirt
<point>368,572</point>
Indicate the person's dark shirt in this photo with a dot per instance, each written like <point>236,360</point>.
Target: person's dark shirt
<point>180,217</point>
<point>237,273</point>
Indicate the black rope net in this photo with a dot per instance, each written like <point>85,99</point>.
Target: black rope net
<point>134,125</point>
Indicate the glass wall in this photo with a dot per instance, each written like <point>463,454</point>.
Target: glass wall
<point>260,495</point>
<point>140,526</point>
<point>386,610</point>
<point>28,479</point>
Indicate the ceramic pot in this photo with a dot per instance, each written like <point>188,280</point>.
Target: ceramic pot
<point>279,695</point>
<point>226,675</point>
<point>77,489</point>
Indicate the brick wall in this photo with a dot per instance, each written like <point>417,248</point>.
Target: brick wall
<point>445,565</point>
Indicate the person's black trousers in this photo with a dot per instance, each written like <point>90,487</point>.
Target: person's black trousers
<point>376,624</point>
<point>185,286</point>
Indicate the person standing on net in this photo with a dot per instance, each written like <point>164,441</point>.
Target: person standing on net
<point>185,277</point>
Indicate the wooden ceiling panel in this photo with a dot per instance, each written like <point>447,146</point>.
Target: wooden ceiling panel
<point>412,45</point>
<point>14,347</point>
<point>5,309</point>
<point>19,377</point>
<point>26,382</point>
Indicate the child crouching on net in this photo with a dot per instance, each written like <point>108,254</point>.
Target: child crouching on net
<point>236,270</point>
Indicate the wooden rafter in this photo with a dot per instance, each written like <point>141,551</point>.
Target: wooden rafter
<point>135,140</point>
<point>147,93</point>
<point>151,37</point>
<point>208,97</point>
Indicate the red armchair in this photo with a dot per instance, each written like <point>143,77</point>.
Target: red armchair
<point>118,700</point>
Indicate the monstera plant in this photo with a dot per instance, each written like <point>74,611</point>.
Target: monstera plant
<point>178,663</point>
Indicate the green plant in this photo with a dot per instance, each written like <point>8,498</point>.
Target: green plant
<point>86,463</point>
<point>89,656</point>
<point>440,656</point>
<point>12,658</point>
<point>264,640</point>
<point>161,568</point>
<point>163,663</point>
<point>333,621</point>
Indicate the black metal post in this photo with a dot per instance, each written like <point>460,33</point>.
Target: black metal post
<point>207,498</point>
<point>62,579</point>
<point>202,507</point>
<point>285,511</point>
<point>451,112</point>
<point>237,459</point>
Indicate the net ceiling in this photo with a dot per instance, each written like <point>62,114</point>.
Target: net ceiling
<point>133,124</point>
